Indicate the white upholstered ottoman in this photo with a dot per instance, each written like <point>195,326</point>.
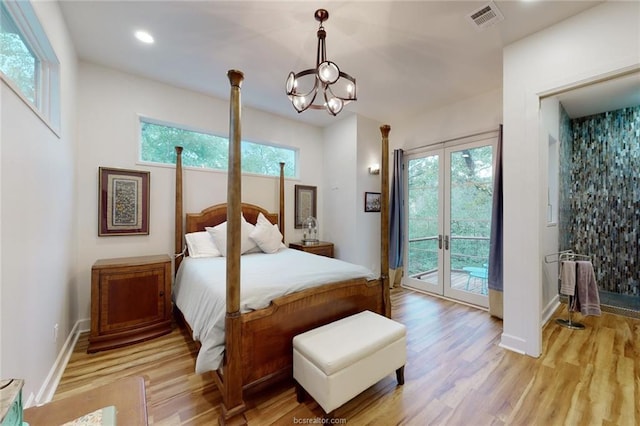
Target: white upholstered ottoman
<point>337,361</point>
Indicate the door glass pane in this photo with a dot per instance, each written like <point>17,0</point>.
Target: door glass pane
<point>471,194</point>
<point>423,178</point>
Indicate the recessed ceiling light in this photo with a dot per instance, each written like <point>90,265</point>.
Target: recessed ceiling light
<point>144,36</point>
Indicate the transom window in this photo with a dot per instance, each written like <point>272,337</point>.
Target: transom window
<point>28,64</point>
<point>18,62</point>
<point>203,150</point>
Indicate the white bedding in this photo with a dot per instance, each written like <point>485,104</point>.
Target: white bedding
<point>200,290</point>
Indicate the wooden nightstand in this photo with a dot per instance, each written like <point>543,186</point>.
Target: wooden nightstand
<point>130,300</point>
<point>322,248</point>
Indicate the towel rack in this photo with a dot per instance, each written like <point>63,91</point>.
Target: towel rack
<point>564,255</point>
<point>559,258</point>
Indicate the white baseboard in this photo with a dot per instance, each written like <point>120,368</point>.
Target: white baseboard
<point>550,309</point>
<point>50,384</point>
<point>512,343</point>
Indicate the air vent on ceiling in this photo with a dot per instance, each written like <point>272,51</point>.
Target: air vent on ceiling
<point>485,16</point>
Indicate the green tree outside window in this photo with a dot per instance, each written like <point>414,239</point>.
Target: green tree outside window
<point>204,150</point>
<point>17,62</point>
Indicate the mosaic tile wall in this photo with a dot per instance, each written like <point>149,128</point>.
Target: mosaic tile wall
<point>600,195</point>
<point>564,184</point>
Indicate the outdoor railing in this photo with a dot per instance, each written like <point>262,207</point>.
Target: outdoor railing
<point>429,258</point>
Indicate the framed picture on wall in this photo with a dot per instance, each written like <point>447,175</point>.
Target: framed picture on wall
<point>123,202</point>
<point>305,204</point>
<point>371,201</point>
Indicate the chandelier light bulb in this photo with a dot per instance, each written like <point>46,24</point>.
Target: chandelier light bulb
<point>328,72</point>
<point>334,105</point>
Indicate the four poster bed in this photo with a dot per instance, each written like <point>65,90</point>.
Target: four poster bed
<point>255,337</point>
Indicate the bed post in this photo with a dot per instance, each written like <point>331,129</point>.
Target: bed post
<point>233,406</point>
<point>384,219</point>
<point>281,212</point>
<point>177,248</point>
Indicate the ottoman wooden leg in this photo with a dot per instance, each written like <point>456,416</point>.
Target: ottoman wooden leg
<point>400,375</point>
<point>301,394</point>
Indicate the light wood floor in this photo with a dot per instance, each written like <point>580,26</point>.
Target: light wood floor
<point>456,374</point>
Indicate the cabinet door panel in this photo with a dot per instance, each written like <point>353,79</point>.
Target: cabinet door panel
<point>130,298</point>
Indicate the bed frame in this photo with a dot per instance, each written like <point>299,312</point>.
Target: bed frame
<point>258,344</point>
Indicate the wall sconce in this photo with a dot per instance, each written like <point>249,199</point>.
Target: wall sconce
<point>374,169</point>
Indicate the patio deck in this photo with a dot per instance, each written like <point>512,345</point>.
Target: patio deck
<point>459,281</point>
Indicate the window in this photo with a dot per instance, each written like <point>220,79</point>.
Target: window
<point>28,63</point>
<point>203,150</point>
<point>18,62</point>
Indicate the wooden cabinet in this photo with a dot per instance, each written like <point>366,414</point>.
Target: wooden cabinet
<point>130,300</point>
<point>322,248</point>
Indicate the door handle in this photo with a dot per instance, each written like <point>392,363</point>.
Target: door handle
<point>440,242</point>
<point>446,242</point>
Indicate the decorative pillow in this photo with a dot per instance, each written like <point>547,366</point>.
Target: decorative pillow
<point>200,244</point>
<point>266,235</point>
<point>219,235</point>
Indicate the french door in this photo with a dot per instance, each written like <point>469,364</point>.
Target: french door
<point>449,193</point>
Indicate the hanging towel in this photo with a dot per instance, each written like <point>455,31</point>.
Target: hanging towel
<point>568,277</point>
<point>588,299</point>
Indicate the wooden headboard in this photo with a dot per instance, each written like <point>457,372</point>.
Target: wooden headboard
<point>215,215</point>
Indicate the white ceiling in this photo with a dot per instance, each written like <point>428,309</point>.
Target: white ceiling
<point>407,56</point>
<point>609,95</point>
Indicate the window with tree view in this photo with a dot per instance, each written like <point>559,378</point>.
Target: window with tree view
<point>203,150</point>
<point>18,63</point>
<point>28,63</point>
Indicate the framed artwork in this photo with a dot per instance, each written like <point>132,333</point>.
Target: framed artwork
<point>305,204</point>
<point>123,202</point>
<point>371,201</point>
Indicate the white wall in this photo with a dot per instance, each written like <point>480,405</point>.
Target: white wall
<point>368,224</point>
<point>38,235</point>
<point>549,129</point>
<point>340,186</point>
<point>109,102</point>
<point>601,41</point>
<point>351,145</point>
<point>460,119</point>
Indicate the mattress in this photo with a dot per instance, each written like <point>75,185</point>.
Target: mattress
<point>200,290</point>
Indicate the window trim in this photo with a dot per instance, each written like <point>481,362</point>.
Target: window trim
<point>146,119</point>
<point>47,96</point>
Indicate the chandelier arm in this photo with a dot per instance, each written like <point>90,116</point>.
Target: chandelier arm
<point>310,71</point>
<point>354,97</point>
<point>311,93</point>
<point>321,50</point>
<point>333,104</point>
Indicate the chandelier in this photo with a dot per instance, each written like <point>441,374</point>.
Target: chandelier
<point>338,88</point>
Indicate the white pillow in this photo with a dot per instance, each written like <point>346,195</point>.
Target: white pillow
<point>266,235</point>
<point>219,235</point>
<point>200,244</point>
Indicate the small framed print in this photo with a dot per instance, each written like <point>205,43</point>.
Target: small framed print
<point>123,202</point>
<point>305,204</point>
<point>371,201</point>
